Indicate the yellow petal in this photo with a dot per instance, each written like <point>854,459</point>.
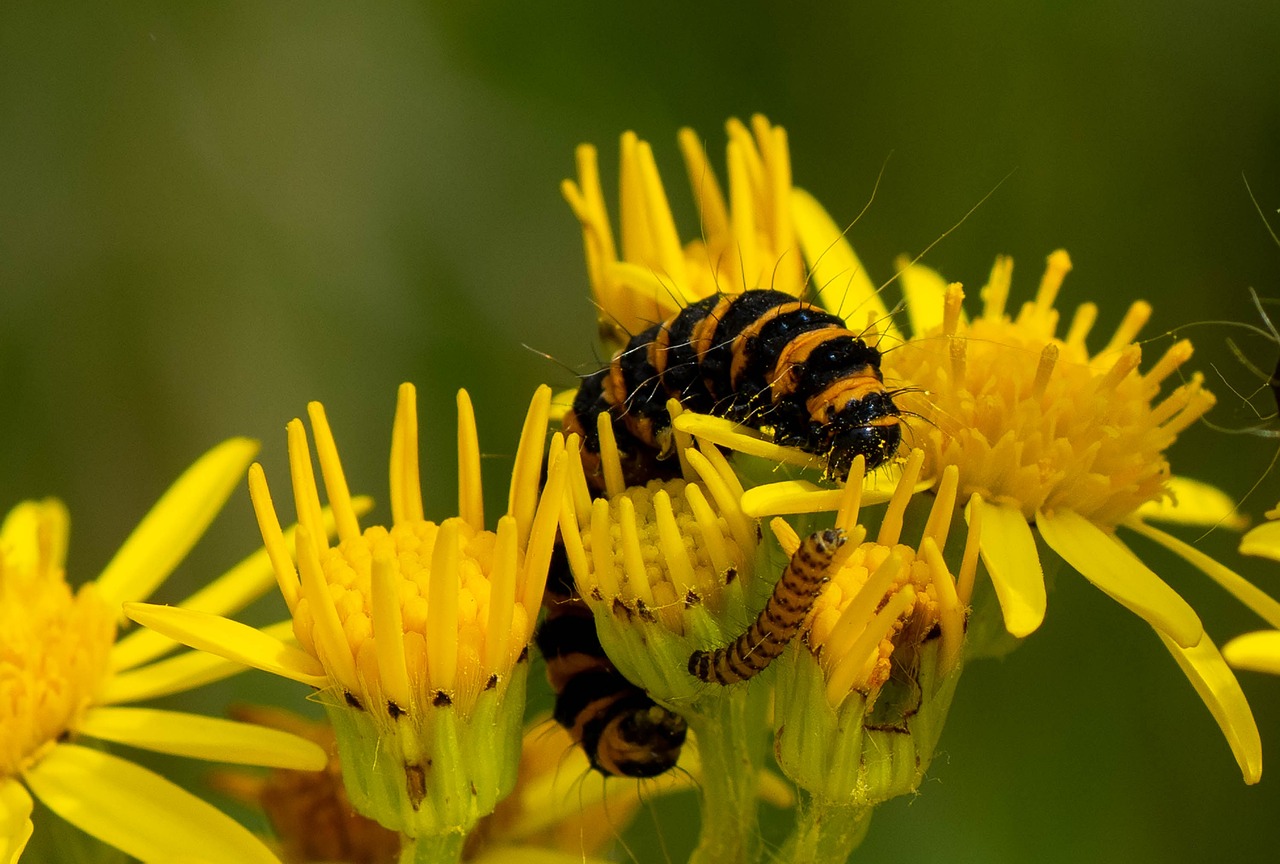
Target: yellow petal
<point>800,496</point>
<point>165,535</point>
<point>1263,541</point>
<point>789,496</point>
<point>1261,603</point>
<point>1256,652</point>
<point>185,671</point>
<point>226,595</point>
<point>1105,562</point>
<point>34,535</point>
<point>15,820</point>
<point>137,811</point>
<point>198,737</point>
<point>1194,503</point>
<point>726,433</point>
<point>230,639</point>
<point>1009,551</point>
<point>839,277</point>
<point>1217,686</point>
<point>924,291</point>
<point>179,673</point>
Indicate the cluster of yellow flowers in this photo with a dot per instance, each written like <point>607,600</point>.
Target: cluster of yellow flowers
<point>415,637</point>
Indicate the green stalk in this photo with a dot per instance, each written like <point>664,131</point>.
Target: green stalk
<point>825,833</point>
<point>729,728</point>
<point>432,849</point>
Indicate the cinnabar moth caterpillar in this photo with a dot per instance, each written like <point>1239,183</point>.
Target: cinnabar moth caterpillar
<point>779,621</point>
<point>622,730</point>
<point>761,358</point>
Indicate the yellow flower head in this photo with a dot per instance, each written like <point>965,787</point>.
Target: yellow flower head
<point>1049,437</point>
<point>862,700</point>
<point>418,613</point>
<point>64,676</point>
<point>1034,420</point>
<point>416,633</point>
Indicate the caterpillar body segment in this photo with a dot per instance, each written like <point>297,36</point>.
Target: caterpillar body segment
<point>761,358</point>
<point>779,621</point>
<point>623,732</point>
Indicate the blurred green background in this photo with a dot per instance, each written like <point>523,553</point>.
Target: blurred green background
<point>212,214</point>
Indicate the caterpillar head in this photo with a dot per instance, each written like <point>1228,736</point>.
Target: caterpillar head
<point>870,427</point>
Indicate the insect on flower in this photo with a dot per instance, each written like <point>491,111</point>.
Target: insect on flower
<point>779,621</point>
<point>622,730</point>
<point>761,358</point>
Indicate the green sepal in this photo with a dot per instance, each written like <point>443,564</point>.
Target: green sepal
<point>846,757</point>
<point>432,771</point>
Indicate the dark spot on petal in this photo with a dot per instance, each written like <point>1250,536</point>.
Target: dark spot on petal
<point>352,700</point>
<point>442,699</point>
<point>394,710</point>
<point>492,682</point>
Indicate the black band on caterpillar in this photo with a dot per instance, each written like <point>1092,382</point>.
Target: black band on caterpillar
<point>623,732</point>
<point>779,621</point>
<point>761,358</point>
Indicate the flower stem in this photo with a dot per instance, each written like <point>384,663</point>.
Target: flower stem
<point>432,849</point>
<point>728,728</point>
<point>826,833</point>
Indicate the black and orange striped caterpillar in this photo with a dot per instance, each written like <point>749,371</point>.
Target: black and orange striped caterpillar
<point>761,358</point>
<point>623,731</point>
<point>781,618</point>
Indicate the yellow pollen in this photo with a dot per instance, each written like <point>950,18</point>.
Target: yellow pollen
<point>55,644</point>
<point>1070,431</point>
<point>422,608</point>
<point>420,613</point>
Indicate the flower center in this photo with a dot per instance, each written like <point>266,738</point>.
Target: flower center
<point>53,656</point>
<point>883,596</point>
<point>660,548</point>
<point>448,645</point>
<point>1032,420</point>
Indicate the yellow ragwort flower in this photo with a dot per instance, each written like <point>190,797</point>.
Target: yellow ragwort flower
<point>879,654</point>
<point>64,676</point>
<point>1050,438</point>
<point>415,634</point>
